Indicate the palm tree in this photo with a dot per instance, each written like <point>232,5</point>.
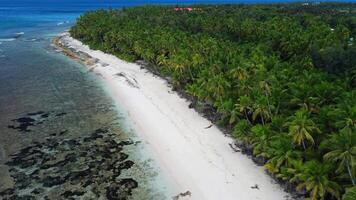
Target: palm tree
<point>350,194</point>
<point>243,106</point>
<point>289,172</point>
<point>239,73</point>
<point>261,138</point>
<point>282,153</point>
<point>218,86</point>
<point>267,92</point>
<point>345,115</point>
<point>314,179</point>
<point>261,109</point>
<point>242,131</point>
<point>301,128</point>
<point>342,152</point>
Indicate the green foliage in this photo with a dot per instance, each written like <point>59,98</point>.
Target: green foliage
<point>350,194</point>
<point>283,77</point>
<point>314,179</point>
<point>342,152</point>
<point>301,128</point>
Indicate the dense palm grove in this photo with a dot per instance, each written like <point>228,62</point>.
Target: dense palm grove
<point>282,78</point>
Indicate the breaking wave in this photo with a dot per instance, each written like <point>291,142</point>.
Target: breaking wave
<point>7,39</point>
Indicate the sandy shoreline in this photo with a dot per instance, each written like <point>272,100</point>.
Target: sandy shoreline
<point>194,158</point>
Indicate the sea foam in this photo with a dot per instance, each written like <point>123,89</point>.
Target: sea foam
<point>61,23</point>
<point>30,40</point>
<point>7,39</point>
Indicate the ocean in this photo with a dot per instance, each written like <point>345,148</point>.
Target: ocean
<point>60,133</point>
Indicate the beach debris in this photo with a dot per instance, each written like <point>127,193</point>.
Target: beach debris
<point>130,80</point>
<point>234,147</point>
<point>211,125</point>
<point>143,64</point>
<point>182,194</point>
<point>104,64</point>
<point>191,105</point>
<point>255,187</point>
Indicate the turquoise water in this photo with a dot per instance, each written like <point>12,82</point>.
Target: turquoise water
<point>60,134</point>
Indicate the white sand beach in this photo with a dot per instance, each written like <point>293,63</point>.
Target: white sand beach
<point>193,157</point>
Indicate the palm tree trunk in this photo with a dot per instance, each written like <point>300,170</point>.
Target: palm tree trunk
<point>350,174</point>
<point>303,144</point>
<point>247,117</point>
<point>268,104</point>
<point>277,109</point>
<point>190,73</point>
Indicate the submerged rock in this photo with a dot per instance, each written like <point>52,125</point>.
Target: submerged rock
<point>57,168</point>
<point>24,123</point>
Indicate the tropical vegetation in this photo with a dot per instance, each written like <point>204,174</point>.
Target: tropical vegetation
<point>281,78</point>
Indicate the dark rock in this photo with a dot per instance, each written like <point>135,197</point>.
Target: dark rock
<point>70,142</point>
<point>25,197</point>
<point>126,165</point>
<point>122,156</point>
<point>129,183</point>
<point>71,157</point>
<point>125,143</point>
<point>67,194</point>
<point>95,161</point>
<point>61,114</point>
<point>50,181</point>
<point>259,160</point>
<point>45,115</point>
<point>37,191</point>
<point>7,192</point>
<point>112,192</point>
<point>24,120</point>
<point>191,105</point>
<point>78,175</point>
<point>101,130</point>
<point>63,132</point>
<point>24,124</point>
<point>35,113</point>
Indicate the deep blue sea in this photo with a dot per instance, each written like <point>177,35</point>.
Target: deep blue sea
<point>54,114</point>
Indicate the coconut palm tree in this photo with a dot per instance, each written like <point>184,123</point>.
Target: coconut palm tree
<point>342,152</point>
<point>261,135</point>
<point>301,128</point>
<point>242,131</point>
<point>288,173</point>
<point>261,109</point>
<point>350,194</point>
<point>314,179</point>
<point>282,153</point>
<point>243,106</point>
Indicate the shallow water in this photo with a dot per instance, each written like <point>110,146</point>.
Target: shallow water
<point>61,136</point>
